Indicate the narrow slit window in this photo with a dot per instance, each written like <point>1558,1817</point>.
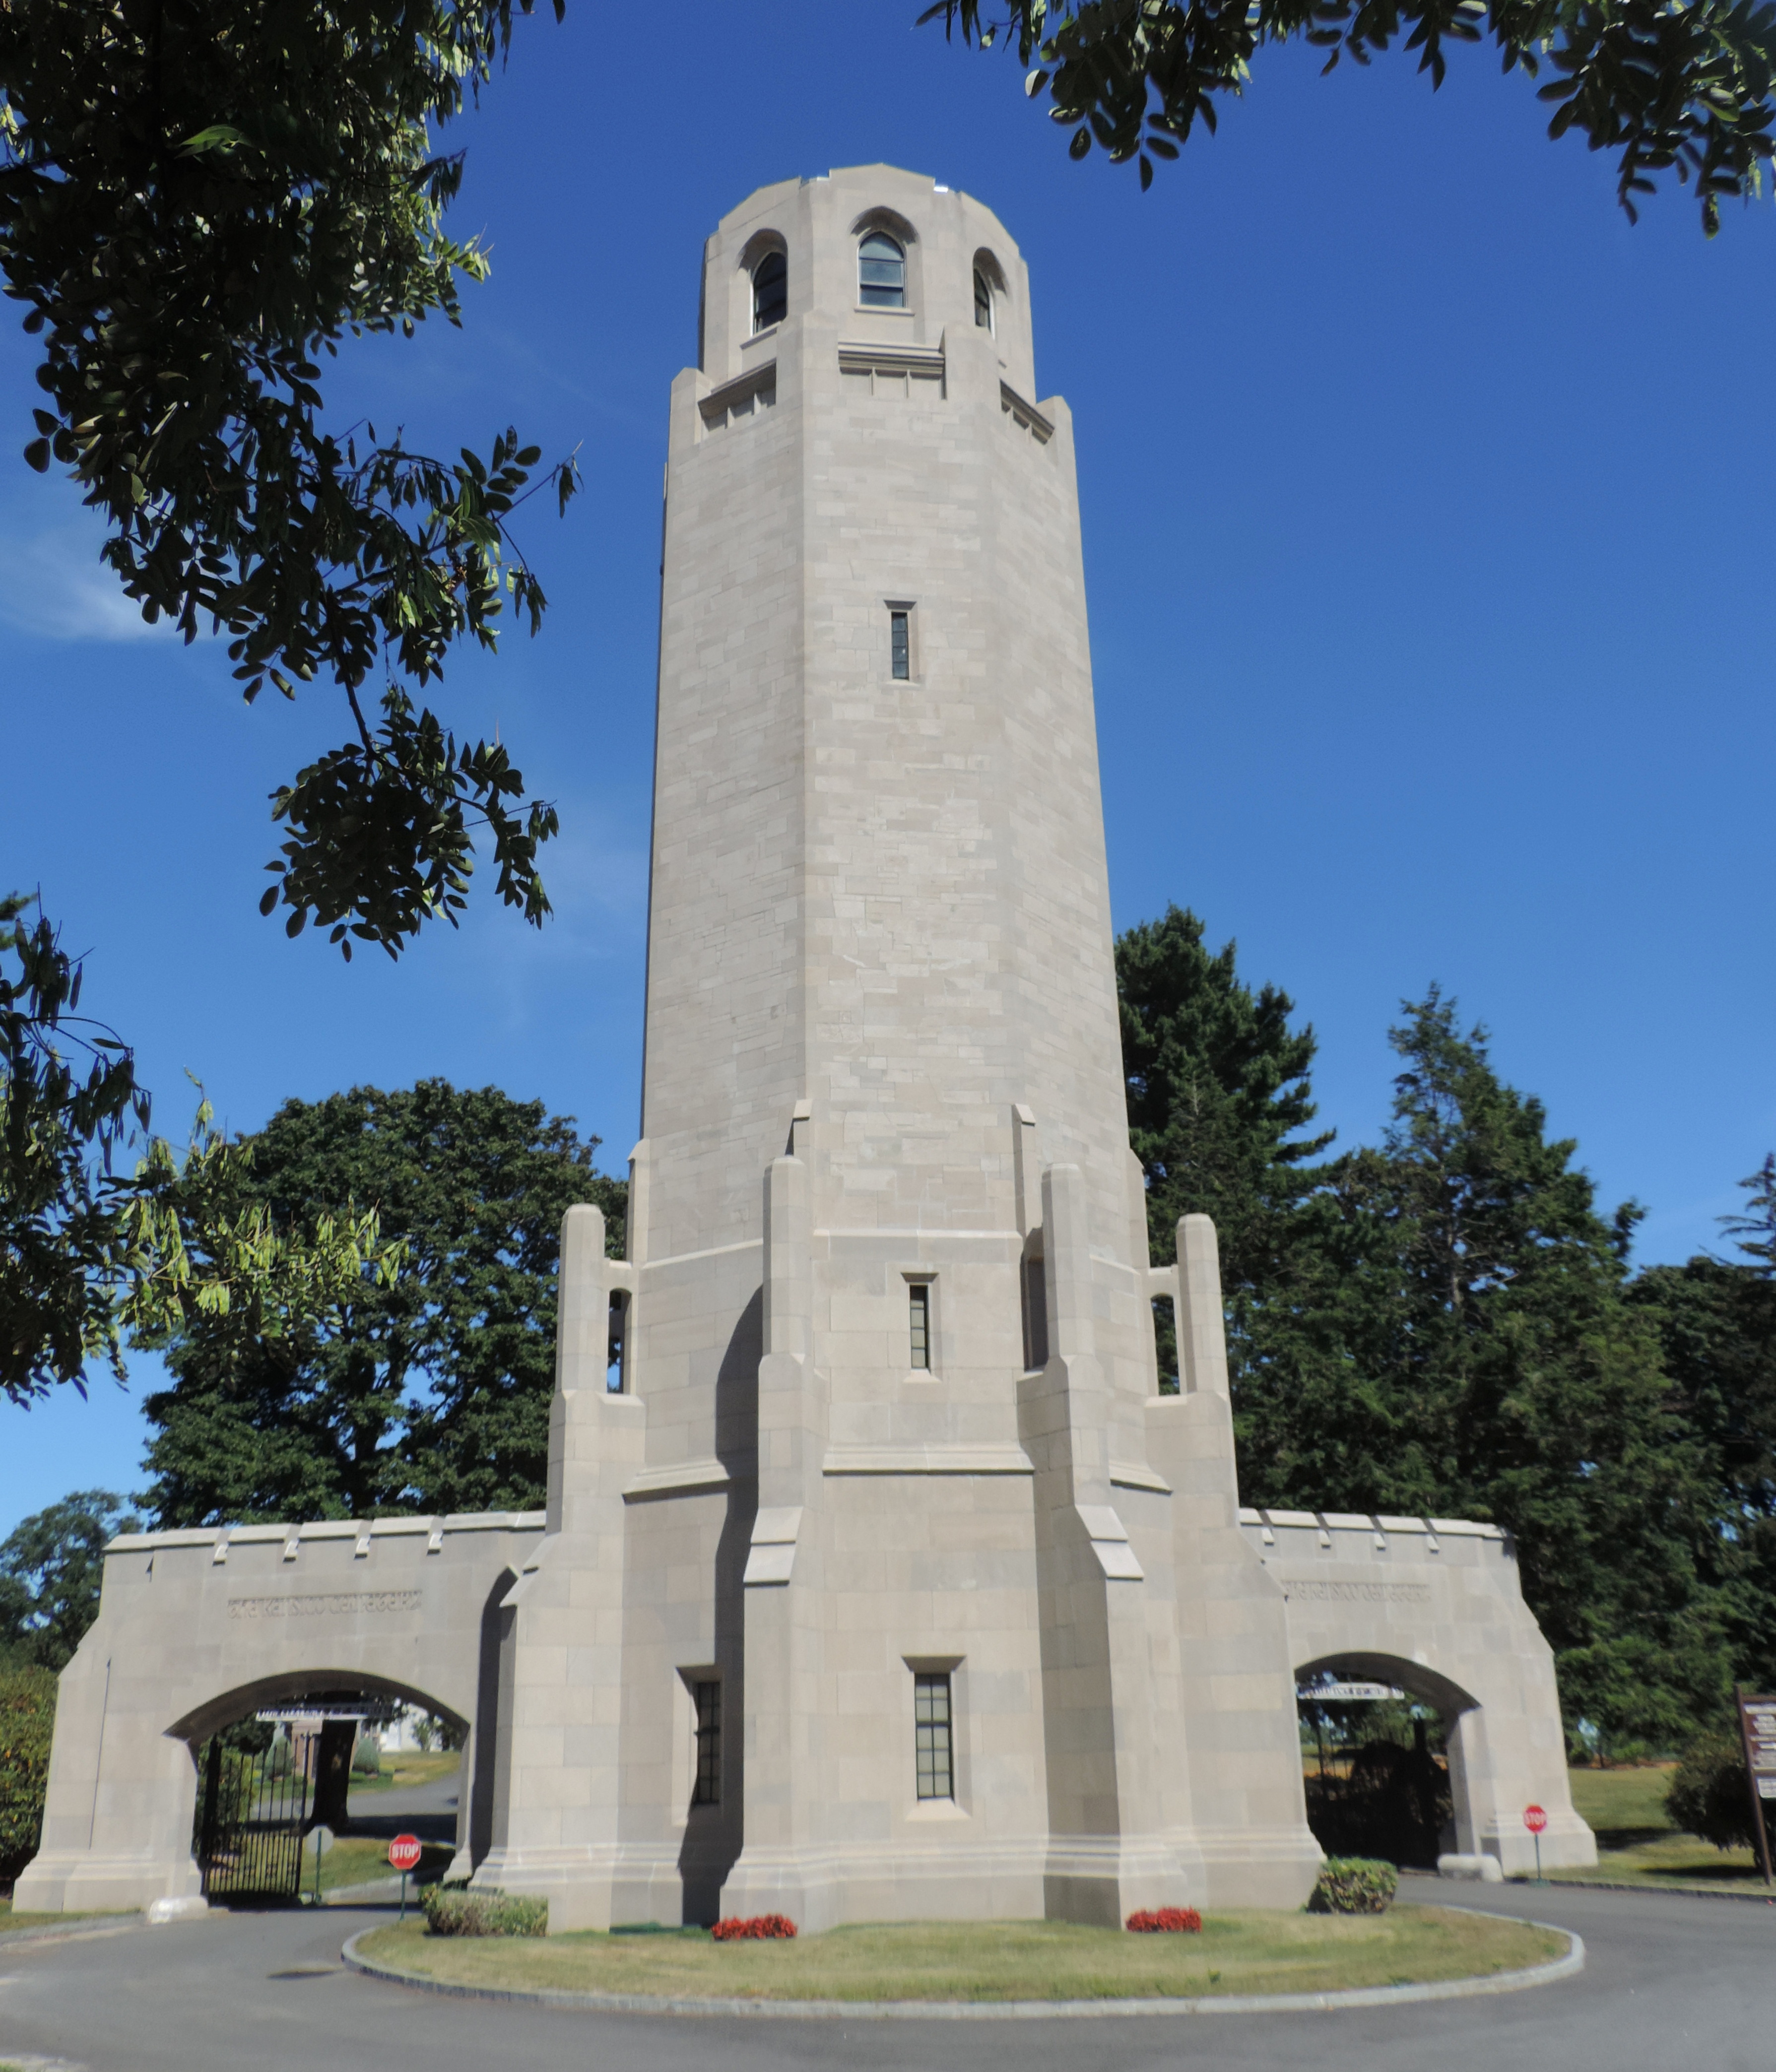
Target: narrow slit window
<point>882,273</point>
<point>617,1331</point>
<point>1035,1317</point>
<point>983,301</point>
<point>770,291</point>
<point>900,646</point>
<point>708,1791</point>
<point>931,1735</point>
<point>918,1296</point>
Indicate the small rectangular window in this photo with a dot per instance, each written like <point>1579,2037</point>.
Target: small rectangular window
<point>1035,1317</point>
<point>918,1297</point>
<point>708,1745</point>
<point>900,646</point>
<point>931,1734</point>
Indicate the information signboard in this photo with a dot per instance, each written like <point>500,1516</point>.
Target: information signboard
<point>1758,1731</point>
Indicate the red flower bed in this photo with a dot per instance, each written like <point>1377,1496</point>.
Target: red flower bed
<point>759,1928</point>
<point>1166,1921</point>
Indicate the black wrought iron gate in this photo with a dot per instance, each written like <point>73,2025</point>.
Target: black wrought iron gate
<point>252,1814</point>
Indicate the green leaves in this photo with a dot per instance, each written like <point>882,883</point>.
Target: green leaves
<point>1666,84</point>
<point>196,206</point>
<point>428,1389</point>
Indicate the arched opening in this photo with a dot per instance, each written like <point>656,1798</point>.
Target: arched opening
<point>770,290</point>
<point>303,1779</point>
<point>881,272</point>
<point>1376,1735</point>
<point>989,291</point>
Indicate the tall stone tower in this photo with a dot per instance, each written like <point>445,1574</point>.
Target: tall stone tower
<point>887,1582</point>
<point>879,1578</point>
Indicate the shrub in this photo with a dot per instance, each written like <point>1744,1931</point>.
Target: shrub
<point>27,1718</point>
<point>1166,1921</point>
<point>1708,1795</point>
<point>460,1913</point>
<point>756,1928</point>
<point>1353,1884</point>
<point>367,1758</point>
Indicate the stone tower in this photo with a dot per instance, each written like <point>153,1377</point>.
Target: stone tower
<point>888,1440</point>
<point>878,1579</point>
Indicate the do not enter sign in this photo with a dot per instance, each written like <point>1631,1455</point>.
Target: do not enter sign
<point>1534,1819</point>
<point>404,1852</point>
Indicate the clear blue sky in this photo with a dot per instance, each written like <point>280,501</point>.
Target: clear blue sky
<point>1427,530</point>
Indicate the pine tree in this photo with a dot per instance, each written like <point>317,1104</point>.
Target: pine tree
<point>1218,1094</point>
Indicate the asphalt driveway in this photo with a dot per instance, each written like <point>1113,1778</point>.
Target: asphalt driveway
<point>1676,1984</point>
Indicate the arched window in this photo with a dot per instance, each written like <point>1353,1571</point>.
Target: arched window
<point>770,291</point>
<point>882,273</point>
<point>983,301</point>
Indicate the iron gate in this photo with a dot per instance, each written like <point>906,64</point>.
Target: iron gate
<point>252,1818</point>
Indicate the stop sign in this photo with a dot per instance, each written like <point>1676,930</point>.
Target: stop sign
<point>404,1852</point>
<point>1534,1819</point>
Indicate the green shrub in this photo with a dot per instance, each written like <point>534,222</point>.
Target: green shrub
<point>1354,1885</point>
<point>457,1912</point>
<point>367,1758</point>
<point>1708,1795</point>
<point>27,1719</point>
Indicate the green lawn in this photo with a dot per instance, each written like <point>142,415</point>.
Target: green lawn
<point>1636,1843</point>
<point>1235,1953</point>
<point>359,1859</point>
<point>402,1772</point>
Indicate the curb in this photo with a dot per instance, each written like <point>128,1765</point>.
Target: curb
<point>1357,1996</point>
<point>1766,1897</point>
<point>49,1932</point>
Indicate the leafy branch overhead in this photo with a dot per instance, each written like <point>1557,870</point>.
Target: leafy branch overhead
<point>196,205</point>
<point>1666,84</point>
<point>89,1255</point>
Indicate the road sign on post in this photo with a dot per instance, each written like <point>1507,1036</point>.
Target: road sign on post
<point>404,1855</point>
<point>1535,1819</point>
<point>1757,1732</point>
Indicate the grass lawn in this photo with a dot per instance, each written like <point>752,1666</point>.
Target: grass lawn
<point>358,1859</point>
<point>402,1772</point>
<point>1636,1843</point>
<point>1012,1960</point>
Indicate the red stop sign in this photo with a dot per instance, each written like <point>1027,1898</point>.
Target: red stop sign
<point>404,1852</point>
<point>1534,1819</point>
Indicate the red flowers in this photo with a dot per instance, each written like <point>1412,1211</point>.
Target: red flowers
<point>759,1928</point>
<point>1166,1921</point>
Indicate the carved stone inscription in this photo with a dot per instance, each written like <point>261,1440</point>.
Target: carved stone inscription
<point>332,1604</point>
<point>1329,1590</point>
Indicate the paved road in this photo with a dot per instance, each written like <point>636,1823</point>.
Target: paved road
<point>428,1810</point>
<point>1672,1982</point>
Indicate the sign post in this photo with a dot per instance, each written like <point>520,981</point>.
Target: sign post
<point>403,1854</point>
<point>1757,1733</point>
<point>1535,1819</point>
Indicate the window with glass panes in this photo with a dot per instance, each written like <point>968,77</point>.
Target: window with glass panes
<point>882,273</point>
<point>931,1734</point>
<point>900,646</point>
<point>708,1745</point>
<point>919,1321</point>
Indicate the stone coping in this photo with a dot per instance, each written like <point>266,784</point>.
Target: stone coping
<point>1356,1997</point>
<point>331,1528</point>
<point>1355,1521</point>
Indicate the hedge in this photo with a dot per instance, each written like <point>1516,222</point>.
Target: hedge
<point>1354,1885</point>
<point>456,1912</point>
<point>27,1720</point>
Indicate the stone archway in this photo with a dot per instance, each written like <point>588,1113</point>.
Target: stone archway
<point>196,1627</point>
<point>1414,1782</point>
<point>1435,1606</point>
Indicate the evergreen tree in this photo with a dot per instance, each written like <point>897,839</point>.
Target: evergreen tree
<point>1716,1320</point>
<point>430,1393</point>
<point>1218,1093</point>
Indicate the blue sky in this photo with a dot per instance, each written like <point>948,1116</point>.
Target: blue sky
<point>1428,543</point>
